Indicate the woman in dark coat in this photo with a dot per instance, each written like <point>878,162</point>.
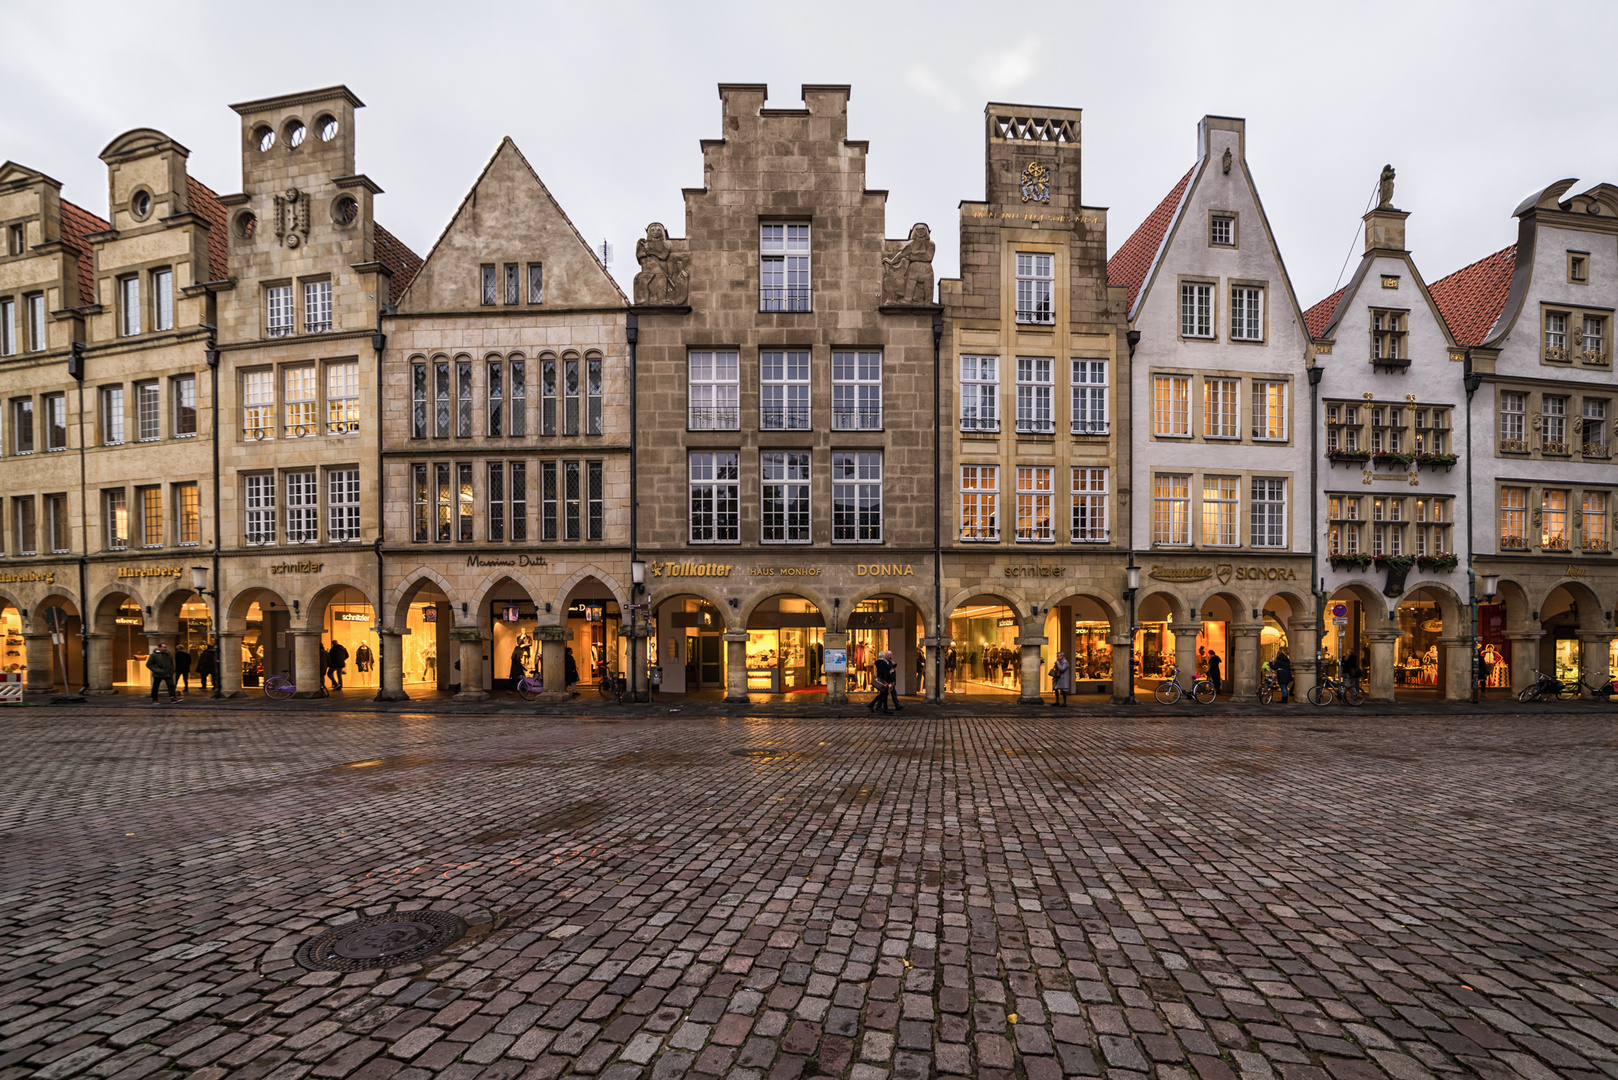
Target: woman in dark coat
<point>571,673</point>
<point>1283,674</point>
<point>208,667</point>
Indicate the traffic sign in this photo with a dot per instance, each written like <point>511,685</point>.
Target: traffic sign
<point>1339,622</point>
<point>1339,611</point>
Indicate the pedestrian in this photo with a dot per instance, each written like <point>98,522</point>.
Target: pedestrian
<point>886,670</point>
<point>1214,674</point>
<point>519,659</point>
<point>1283,674</point>
<point>951,663</point>
<point>1351,671</point>
<point>161,665</point>
<point>921,670</point>
<point>570,669</point>
<point>336,664</point>
<point>208,667</point>
<point>182,667</point>
<point>1061,684</point>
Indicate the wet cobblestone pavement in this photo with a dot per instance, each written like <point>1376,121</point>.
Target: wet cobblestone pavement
<point>1320,894</point>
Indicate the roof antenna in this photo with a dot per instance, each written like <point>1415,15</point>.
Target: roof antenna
<point>606,255</point>
<point>1368,203</point>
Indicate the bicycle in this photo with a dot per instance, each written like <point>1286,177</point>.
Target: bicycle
<point>612,686</point>
<point>1268,687</point>
<point>280,687</point>
<point>1544,686</point>
<point>1603,687</point>
<point>1170,691</point>
<point>529,687</point>
<point>1328,689</point>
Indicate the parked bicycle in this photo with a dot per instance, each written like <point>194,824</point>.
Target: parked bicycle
<point>1544,687</point>
<point>1598,686</point>
<point>1268,687</point>
<point>1328,689</point>
<point>529,687</point>
<point>612,686</point>
<point>1170,691</point>
<point>280,687</point>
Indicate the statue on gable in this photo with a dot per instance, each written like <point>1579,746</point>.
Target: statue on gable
<point>907,274</point>
<point>1384,189</point>
<point>665,274</point>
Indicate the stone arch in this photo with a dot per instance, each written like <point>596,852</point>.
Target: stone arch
<point>403,594</point>
<point>1178,607</point>
<point>8,600</point>
<point>1240,607</point>
<point>906,592</point>
<point>103,612</point>
<point>1111,605</point>
<point>314,609</point>
<point>1515,598</point>
<point>1450,603</point>
<point>1018,607</point>
<point>167,605</point>
<point>692,587</point>
<point>243,598</point>
<point>590,570</point>
<point>795,589</point>
<point>1591,618</point>
<point>57,599</point>
<point>1372,600</point>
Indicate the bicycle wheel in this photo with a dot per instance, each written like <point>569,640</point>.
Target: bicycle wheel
<point>278,687</point>
<point>1203,691</point>
<point>1320,694</point>
<point>1528,693</point>
<point>1354,696</point>
<point>527,689</point>
<point>604,687</point>
<point>1265,695</point>
<point>1168,691</point>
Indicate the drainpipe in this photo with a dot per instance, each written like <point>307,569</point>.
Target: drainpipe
<point>637,664</point>
<point>935,676</point>
<point>379,342</point>
<point>211,355</point>
<point>1471,380</point>
<point>75,368</point>
<point>1315,373</point>
<point>1131,572</point>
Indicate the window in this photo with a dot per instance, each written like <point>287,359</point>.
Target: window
<point>1513,518</point>
<point>420,503</point>
<point>298,390</point>
<point>463,399</point>
<point>595,503</point>
<point>129,305</point>
<point>1089,397</point>
<point>303,508</point>
<point>714,389</point>
<point>279,298</point>
<point>1034,504</point>
<point>1034,394</point>
<point>56,523</point>
<point>1388,335</point>
<point>1554,418</point>
<point>1593,339</point>
<point>342,505</point>
<point>1089,505</point>
<point>784,497</point>
<point>513,284</point>
<point>592,394</point>
<point>446,508</point>
<point>495,500</point>
<point>783,259</point>
<point>36,322</point>
<point>1556,335</point>
<point>1578,267</point>
<point>1269,409</point>
<point>342,398</point>
<point>316,307</point>
<point>1219,408</point>
<point>490,289</point>
<point>1432,427</point>
<point>783,396</point>
<point>115,512</point>
<point>148,412</point>
<point>1171,405</point>
<point>441,399</point>
<point>980,502</point>
<point>8,327</point>
<point>55,421</point>
<point>536,283</point>
<point>547,396</point>
<point>187,514</point>
<point>715,497</point>
<point>571,500</point>
<point>570,397</point>
<point>1269,512</point>
<point>22,512</point>
<point>856,391</point>
<point>1035,282</point>
<point>1513,412</point>
<point>495,398</point>
<point>1595,521</point>
<point>980,392</point>
<point>1246,313</point>
<point>1432,527</point>
<point>547,512</point>
<point>150,501</point>
<point>519,500</point>
<point>162,300</point>
<point>1553,510</point>
<point>185,406</point>
<point>22,426</point>
<point>1222,230</point>
<point>16,240</point>
<point>1171,510</point>
<point>1196,309</point>
<point>112,415</point>
<point>1595,427</point>
<point>464,501</point>
<point>1219,511</point>
<point>518,392</point>
<point>856,497</point>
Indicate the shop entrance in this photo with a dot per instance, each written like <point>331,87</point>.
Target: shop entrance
<point>513,621</point>
<point>785,647</point>
<point>1418,658</point>
<point>686,651</point>
<point>983,656</point>
<point>14,651</point>
<point>351,622</point>
<point>58,618</point>
<point>881,624</point>
<point>1080,628</point>
<point>265,646</point>
<point>1561,651</point>
<point>427,652</point>
<point>593,623</point>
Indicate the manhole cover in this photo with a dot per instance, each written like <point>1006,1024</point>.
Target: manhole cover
<point>760,753</point>
<point>381,941</point>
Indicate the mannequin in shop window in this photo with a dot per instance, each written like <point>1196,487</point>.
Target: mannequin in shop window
<point>520,655</point>
<point>364,658</point>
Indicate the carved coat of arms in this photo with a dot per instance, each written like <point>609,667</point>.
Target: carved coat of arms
<point>1036,183</point>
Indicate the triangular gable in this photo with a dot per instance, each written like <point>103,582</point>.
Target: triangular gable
<point>1472,298</point>
<point>1133,262</point>
<point>509,216</point>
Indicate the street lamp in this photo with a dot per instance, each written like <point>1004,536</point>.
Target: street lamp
<point>1132,579</point>
<point>1490,583</point>
<point>637,574</point>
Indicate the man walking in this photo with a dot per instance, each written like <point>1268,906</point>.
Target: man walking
<point>182,667</point>
<point>1214,678</point>
<point>161,665</point>
<point>886,670</point>
<point>1283,674</point>
<point>208,667</point>
<point>336,663</point>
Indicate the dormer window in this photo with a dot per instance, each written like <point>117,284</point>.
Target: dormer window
<point>783,267</point>
<point>141,205</point>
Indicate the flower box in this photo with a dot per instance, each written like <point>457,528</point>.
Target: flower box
<point>1436,461</point>
<point>1386,458</point>
<point>1352,457</point>
<point>1442,561</point>
<point>1350,561</point>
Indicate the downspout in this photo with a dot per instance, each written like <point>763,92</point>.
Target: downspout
<point>76,369</point>
<point>211,354</point>
<point>1316,372</point>
<point>636,664</point>
<point>1471,381</point>
<point>379,342</point>
<point>1132,339</point>
<point>935,674</point>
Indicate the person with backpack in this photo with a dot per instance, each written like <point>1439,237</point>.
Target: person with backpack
<point>1061,680</point>
<point>161,665</point>
<point>1283,674</point>
<point>336,664</point>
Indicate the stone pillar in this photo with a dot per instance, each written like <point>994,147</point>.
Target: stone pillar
<point>306,673</point>
<point>935,667</point>
<point>1121,675</point>
<point>470,640</point>
<point>736,667</point>
<point>390,665</point>
<point>1524,657</point>
<point>1457,662</point>
<point>38,650</point>
<point>100,675</point>
<point>1030,670</point>
<point>553,658</point>
<point>1597,657</point>
<point>1244,660</point>
<point>836,682</point>
<point>230,665</point>
<point>640,688</point>
<point>1304,649</point>
<point>1185,651</point>
<point>1381,650</point>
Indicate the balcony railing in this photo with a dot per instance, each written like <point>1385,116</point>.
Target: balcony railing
<point>856,419</point>
<point>706,419</point>
<point>1553,543</point>
<point>980,534</point>
<point>777,298</point>
<point>1595,450</point>
<point>788,418</point>
<point>1513,446</point>
<point>1514,543</point>
<point>1035,426</point>
<point>1043,314</point>
<point>1090,427</point>
<point>1557,353</point>
<point>1553,446</point>
<point>1594,543</point>
<point>980,423</point>
<point>1595,357</point>
<point>1087,536</point>
<point>281,330</point>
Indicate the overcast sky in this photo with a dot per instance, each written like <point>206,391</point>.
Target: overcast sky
<point>1476,103</point>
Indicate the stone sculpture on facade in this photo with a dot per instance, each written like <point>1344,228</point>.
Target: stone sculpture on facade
<point>1384,189</point>
<point>665,274</point>
<point>907,274</point>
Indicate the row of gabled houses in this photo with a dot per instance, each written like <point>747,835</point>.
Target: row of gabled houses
<point>258,422</point>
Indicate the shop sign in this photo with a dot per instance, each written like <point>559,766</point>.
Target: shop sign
<point>1034,571</point>
<point>1258,573</point>
<point>1005,622</point>
<point>290,568</point>
<point>429,614</point>
<point>885,570</point>
<point>478,561</point>
<point>1180,573</point>
<point>875,620</point>
<point>1575,571</point>
<point>587,612</point>
<point>835,662</point>
<point>47,576</point>
<point>671,569</point>
<point>785,571</point>
<point>510,613</point>
<point>128,620</point>
<point>351,616</point>
<point>148,571</point>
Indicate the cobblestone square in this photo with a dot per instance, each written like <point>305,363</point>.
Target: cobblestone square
<point>654,895</point>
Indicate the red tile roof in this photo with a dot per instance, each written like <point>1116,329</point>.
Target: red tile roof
<point>1132,262</point>
<point>400,260</point>
<point>206,204</point>
<point>77,223</point>
<point>1318,316</point>
<point>1472,298</point>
